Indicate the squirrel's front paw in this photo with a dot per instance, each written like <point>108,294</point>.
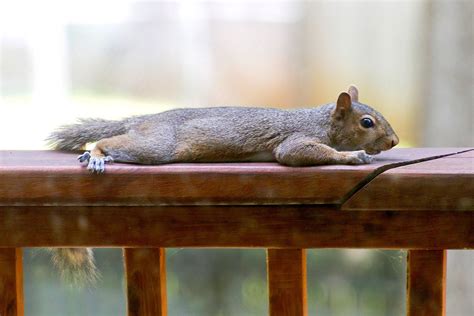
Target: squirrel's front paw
<point>359,158</point>
<point>95,164</point>
<point>84,157</point>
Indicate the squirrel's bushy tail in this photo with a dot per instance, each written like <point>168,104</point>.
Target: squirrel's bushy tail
<point>76,265</point>
<point>75,136</point>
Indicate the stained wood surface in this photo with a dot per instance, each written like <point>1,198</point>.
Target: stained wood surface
<point>55,178</point>
<point>11,282</point>
<point>145,270</point>
<point>287,282</point>
<point>444,184</point>
<point>234,226</point>
<point>126,208</point>
<point>426,283</point>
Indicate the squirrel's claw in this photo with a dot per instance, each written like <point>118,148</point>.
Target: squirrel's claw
<point>84,157</point>
<point>95,164</point>
<point>360,157</point>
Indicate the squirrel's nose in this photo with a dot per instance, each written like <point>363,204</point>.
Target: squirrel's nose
<point>394,140</point>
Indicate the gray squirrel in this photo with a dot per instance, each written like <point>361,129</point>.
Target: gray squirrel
<point>345,132</point>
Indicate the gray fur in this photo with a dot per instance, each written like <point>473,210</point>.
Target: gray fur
<point>212,134</point>
<point>77,265</point>
<point>328,134</point>
<point>157,137</point>
<point>75,136</point>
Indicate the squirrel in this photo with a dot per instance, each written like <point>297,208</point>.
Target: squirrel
<point>344,132</point>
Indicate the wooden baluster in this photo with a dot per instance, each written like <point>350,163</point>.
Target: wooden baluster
<point>287,282</point>
<point>146,281</point>
<point>11,282</point>
<point>426,283</point>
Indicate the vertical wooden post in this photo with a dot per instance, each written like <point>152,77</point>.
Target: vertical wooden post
<point>426,283</point>
<point>11,282</point>
<point>146,281</point>
<point>287,282</point>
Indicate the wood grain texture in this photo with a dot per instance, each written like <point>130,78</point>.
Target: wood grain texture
<point>287,282</point>
<point>54,178</point>
<point>11,282</point>
<point>234,226</point>
<point>426,283</point>
<point>442,184</point>
<point>145,270</point>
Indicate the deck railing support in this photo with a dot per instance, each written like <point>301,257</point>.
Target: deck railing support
<point>11,282</point>
<point>426,283</point>
<point>287,282</point>
<point>145,270</point>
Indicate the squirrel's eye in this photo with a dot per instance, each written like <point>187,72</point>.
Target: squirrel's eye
<point>366,122</point>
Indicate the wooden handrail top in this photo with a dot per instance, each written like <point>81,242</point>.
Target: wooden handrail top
<point>446,183</point>
<point>56,178</point>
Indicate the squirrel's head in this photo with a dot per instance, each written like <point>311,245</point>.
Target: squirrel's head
<point>356,126</point>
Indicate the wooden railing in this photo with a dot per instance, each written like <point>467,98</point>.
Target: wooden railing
<point>415,199</point>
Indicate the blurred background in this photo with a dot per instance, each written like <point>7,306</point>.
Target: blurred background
<point>412,60</point>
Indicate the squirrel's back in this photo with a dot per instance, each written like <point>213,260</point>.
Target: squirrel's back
<point>225,122</point>
<point>345,132</point>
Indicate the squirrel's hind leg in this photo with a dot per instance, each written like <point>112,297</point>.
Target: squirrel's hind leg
<point>98,156</point>
<point>130,148</point>
<point>96,160</point>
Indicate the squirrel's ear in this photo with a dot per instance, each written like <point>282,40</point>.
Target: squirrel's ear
<point>354,93</point>
<point>343,105</point>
